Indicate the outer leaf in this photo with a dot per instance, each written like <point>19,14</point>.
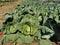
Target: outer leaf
<point>57,19</point>
<point>45,42</point>
<point>26,39</point>
<point>46,32</point>
<point>7,15</point>
<point>19,41</point>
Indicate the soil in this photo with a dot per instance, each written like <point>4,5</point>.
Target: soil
<point>7,7</point>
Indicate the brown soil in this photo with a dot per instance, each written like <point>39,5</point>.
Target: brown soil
<point>7,7</point>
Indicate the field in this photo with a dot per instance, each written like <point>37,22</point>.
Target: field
<point>7,7</point>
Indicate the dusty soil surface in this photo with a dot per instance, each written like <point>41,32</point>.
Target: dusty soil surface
<point>7,7</point>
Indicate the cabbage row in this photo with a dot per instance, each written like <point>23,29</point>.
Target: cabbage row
<point>6,0</point>
<point>31,19</point>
